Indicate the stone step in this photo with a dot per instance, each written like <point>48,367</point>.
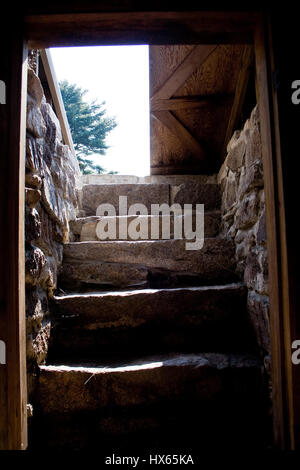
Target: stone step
<point>151,320</point>
<point>85,228</point>
<point>184,428</point>
<point>187,193</point>
<point>174,180</point>
<point>93,195</point>
<point>152,262</point>
<point>154,380</point>
<point>152,404</point>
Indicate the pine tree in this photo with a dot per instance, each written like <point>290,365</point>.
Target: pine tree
<point>89,126</point>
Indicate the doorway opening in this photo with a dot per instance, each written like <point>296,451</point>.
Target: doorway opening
<point>119,77</point>
<point>266,124</point>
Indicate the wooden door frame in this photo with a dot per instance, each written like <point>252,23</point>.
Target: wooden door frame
<point>280,314</point>
<point>43,31</point>
<point>13,393</point>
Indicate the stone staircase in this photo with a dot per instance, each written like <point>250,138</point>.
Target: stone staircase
<point>151,345</point>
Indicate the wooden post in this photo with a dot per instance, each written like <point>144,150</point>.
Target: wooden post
<point>277,243</point>
<point>286,70</point>
<point>13,390</point>
<point>156,28</point>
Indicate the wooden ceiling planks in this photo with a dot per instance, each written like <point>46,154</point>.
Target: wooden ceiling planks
<point>192,91</point>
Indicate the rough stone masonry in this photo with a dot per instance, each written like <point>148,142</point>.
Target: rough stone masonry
<point>243,220</point>
<point>51,180</point>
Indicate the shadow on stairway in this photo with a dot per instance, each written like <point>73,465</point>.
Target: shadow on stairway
<point>151,345</point>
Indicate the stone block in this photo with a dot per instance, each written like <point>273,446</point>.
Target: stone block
<point>185,317</point>
<point>34,154</point>
<point>33,181</point>
<point>245,240</point>
<point>53,130</point>
<point>222,173</point>
<point>258,309</point>
<point>37,343</point>
<point>230,190</point>
<point>252,269</point>
<point>262,231</point>
<point>147,194</point>
<point>157,379</point>
<point>233,140</point>
<point>254,117</point>
<point>35,123</point>
<point>34,87</point>
<point>253,147</point>
<point>248,211</point>
<point>214,262</point>
<point>32,224</point>
<point>235,157</point>
<point>251,178</point>
<point>34,263</point>
<point>195,193</point>
<point>32,197</point>
<point>107,274</point>
<point>37,307</point>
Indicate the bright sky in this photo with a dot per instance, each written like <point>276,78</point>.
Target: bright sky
<point>118,75</point>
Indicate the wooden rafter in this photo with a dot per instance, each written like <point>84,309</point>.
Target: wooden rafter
<point>192,61</point>
<point>160,101</point>
<point>189,102</point>
<point>56,97</point>
<point>181,132</point>
<point>241,87</point>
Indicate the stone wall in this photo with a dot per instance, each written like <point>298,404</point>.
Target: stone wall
<point>243,220</point>
<point>51,180</point>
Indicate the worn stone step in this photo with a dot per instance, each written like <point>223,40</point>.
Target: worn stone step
<point>151,320</point>
<point>154,263</point>
<point>173,180</point>
<point>93,195</point>
<point>188,427</point>
<point>147,381</point>
<point>186,193</point>
<point>85,228</point>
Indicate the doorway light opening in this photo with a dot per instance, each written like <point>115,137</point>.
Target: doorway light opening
<point>118,75</point>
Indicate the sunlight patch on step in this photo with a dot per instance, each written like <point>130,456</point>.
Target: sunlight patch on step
<point>103,370</point>
<point>126,293</point>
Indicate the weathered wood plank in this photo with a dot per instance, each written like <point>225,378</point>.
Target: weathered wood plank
<point>287,70</point>
<point>211,83</point>
<point>277,247</point>
<point>192,61</point>
<point>56,97</point>
<point>5,76</point>
<point>189,102</point>
<point>241,87</point>
<point>139,27</point>
<point>13,400</point>
<point>180,132</point>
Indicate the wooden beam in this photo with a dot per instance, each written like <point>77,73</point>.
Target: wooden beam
<point>57,98</point>
<point>282,395</point>
<point>192,62</point>
<point>241,88</point>
<point>189,102</point>
<point>195,169</point>
<point>184,136</point>
<point>13,387</point>
<point>287,70</point>
<point>138,27</point>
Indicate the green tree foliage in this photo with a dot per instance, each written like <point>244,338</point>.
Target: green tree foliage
<point>89,126</point>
